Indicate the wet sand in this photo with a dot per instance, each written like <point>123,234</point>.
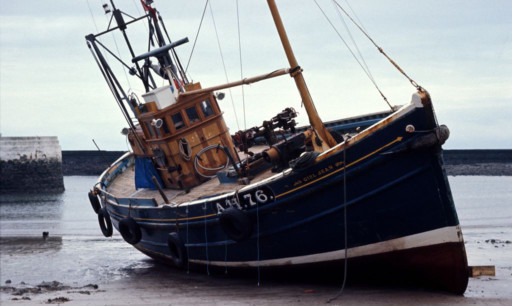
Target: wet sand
<point>87,269</point>
<point>161,285</point>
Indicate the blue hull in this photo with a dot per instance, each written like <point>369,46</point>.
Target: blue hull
<point>398,204</point>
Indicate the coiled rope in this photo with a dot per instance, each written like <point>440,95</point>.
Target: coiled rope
<point>198,164</point>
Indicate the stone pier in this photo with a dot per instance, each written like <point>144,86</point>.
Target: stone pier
<point>30,164</point>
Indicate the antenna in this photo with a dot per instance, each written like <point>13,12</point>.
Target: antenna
<point>106,8</point>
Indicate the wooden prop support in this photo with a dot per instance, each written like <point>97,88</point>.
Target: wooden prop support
<point>475,271</point>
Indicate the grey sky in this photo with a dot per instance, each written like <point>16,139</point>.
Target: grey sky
<point>460,51</point>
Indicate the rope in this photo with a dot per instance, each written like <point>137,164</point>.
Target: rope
<point>197,163</point>
<point>139,13</point>
<point>206,239</point>
<point>224,66</point>
<point>258,240</point>
<point>197,36</point>
<point>226,255</point>
<point>92,16</point>
<point>182,143</point>
<point>241,66</point>
<point>344,221</point>
<point>353,41</point>
<point>119,55</point>
<point>418,87</point>
<point>353,54</point>
<point>353,12</point>
<point>188,253</point>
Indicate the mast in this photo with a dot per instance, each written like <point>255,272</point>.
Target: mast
<point>296,72</point>
<point>122,27</point>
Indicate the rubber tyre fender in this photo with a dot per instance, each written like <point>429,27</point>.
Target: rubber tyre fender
<point>95,202</point>
<point>105,222</point>
<point>235,223</point>
<point>130,230</point>
<point>177,249</point>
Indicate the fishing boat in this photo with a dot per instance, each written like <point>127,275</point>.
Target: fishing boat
<point>371,194</point>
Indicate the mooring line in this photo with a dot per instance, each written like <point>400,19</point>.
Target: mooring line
<point>188,253</point>
<point>206,240</point>
<point>344,221</point>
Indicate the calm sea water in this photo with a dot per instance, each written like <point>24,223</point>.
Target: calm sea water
<point>78,253</point>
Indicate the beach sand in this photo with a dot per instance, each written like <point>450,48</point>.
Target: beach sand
<point>98,279</point>
<point>76,266</point>
<point>161,285</point>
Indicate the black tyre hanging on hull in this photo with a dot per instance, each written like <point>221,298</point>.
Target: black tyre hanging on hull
<point>177,249</point>
<point>130,230</point>
<point>236,224</point>
<point>105,222</point>
<point>95,202</point>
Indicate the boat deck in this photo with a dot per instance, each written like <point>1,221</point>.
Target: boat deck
<point>123,186</point>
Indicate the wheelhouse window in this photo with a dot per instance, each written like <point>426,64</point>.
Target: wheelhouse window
<point>165,127</point>
<point>192,115</point>
<point>178,121</point>
<point>150,128</point>
<point>207,109</point>
<point>158,133</point>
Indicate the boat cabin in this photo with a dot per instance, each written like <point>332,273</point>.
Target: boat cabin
<point>175,129</point>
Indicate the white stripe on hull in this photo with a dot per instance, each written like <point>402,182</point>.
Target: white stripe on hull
<point>430,238</point>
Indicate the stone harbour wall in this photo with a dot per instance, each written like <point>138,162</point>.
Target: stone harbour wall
<point>478,162</point>
<point>30,164</point>
<point>88,162</point>
<point>457,162</point>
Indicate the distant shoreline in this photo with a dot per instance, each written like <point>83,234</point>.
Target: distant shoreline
<point>478,162</point>
<point>457,162</point>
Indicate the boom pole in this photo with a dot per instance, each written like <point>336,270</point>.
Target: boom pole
<point>296,72</point>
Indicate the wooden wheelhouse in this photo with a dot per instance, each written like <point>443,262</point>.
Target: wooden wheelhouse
<point>174,135</point>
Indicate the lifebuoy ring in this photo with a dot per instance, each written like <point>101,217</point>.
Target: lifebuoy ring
<point>177,250</point>
<point>105,222</point>
<point>95,202</point>
<point>130,230</point>
<point>235,223</point>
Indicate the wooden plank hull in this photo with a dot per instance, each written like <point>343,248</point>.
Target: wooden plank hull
<point>441,266</point>
<point>400,213</point>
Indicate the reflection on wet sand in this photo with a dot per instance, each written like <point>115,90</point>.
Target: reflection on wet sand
<point>15,246</point>
<point>76,255</point>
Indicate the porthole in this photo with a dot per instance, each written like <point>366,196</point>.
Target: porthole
<point>185,150</point>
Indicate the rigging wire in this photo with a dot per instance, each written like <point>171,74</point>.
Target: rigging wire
<point>173,52</point>
<point>418,87</point>
<point>241,66</point>
<point>224,65</point>
<point>119,54</point>
<point>353,41</point>
<point>353,54</point>
<point>197,36</point>
<point>354,13</point>
<point>92,16</point>
<point>139,13</point>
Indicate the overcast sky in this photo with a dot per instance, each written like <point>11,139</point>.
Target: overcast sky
<point>460,51</point>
